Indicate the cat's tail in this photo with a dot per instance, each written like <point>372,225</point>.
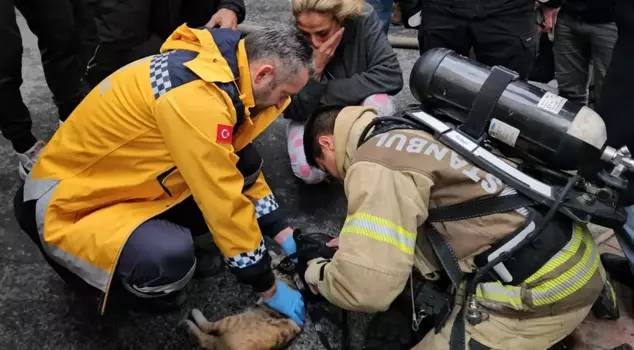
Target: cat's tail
<point>197,331</point>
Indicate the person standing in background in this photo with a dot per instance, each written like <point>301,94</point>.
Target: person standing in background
<point>53,23</point>
<point>501,32</point>
<point>383,9</point>
<point>615,107</point>
<point>130,30</point>
<point>585,35</point>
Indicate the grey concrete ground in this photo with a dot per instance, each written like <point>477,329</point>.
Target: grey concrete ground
<point>38,312</point>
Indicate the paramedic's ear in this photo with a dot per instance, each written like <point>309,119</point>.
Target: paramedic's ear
<point>263,74</point>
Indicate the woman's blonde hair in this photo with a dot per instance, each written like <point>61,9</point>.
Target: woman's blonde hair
<point>339,9</point>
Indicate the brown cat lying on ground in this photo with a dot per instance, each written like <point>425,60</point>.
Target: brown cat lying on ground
<point>258,328</point>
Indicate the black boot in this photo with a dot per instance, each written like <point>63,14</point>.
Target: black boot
<point>388,330</point>
<point>208,263</point>
<point>209,260</point>
<point>606,306</point>
<point>618,268</point>
<point>392,329</point>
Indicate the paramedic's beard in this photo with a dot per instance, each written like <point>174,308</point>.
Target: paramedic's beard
<point>262,98</point>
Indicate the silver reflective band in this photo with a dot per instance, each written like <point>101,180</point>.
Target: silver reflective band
<point>158,291</point>
<point>42,191</point>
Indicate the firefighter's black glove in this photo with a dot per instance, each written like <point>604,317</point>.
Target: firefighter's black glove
<point>311,246</point>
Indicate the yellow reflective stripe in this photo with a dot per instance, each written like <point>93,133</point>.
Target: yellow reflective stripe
<point>556,289</point>
<point>380,229</point>
<point>571,280</point>
<point>564,254</point>
<point>496,292</point>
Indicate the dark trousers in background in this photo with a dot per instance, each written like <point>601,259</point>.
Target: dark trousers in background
<point>616,105</point>
<point>383,9</point>
<point>576,45</point>
<point>508,39</point>
<point>52,21</point>
<point>128,32</point>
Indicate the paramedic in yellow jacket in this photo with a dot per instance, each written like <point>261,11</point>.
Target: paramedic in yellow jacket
<point>392,181</point>
<point>160,151</point>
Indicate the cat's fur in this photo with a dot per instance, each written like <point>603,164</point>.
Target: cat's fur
<point>257,328</point>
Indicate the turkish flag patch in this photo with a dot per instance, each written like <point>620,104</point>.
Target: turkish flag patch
<point>224,133</point>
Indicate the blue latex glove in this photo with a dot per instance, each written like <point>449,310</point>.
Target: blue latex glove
<point>289,302</point>
<point>289,247</point>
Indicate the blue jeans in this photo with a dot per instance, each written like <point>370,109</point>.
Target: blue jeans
<point>383,9</point>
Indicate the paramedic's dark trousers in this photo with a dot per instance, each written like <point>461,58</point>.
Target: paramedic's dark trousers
<point>157,259</point>
<point>508,40</point>
<point>159,256</point>
<point>53,24</point>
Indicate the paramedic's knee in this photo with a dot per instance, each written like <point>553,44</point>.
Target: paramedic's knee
<point>299,165</point>
<point>157,259</point>
<point>382,102</point>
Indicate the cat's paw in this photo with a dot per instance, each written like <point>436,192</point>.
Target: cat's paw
<point>198,317</point>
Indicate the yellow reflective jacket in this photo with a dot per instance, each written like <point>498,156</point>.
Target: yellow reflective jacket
<point>391,182</point>
<point>147,137</point>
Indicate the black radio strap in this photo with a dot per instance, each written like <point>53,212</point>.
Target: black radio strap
<point>481,207</point>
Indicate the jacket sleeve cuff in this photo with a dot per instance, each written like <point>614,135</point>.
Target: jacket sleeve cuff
<point>314,272</point>
<point>258,275</point>
<point>235,6</point>
<point>270,227</point>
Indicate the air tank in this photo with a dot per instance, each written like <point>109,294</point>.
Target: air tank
<point>559,132</point>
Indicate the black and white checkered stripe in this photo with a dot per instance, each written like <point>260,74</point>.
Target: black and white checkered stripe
<point>265,206</point>
<point>159,75</point>
<point>247,259</point>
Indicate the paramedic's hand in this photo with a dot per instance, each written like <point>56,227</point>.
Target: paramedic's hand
<point>287,242</point>
<point>224,18</point>
<point>286,301</point>
<point>325,52</point>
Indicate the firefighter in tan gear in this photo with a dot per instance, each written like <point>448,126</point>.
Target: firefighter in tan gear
<point>393,181</point>
<point>161,151</point>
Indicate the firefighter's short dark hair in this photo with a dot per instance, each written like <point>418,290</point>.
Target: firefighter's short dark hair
<point>322,122</point>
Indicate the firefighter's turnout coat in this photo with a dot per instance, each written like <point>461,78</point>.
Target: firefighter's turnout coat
<point>391,182</point>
